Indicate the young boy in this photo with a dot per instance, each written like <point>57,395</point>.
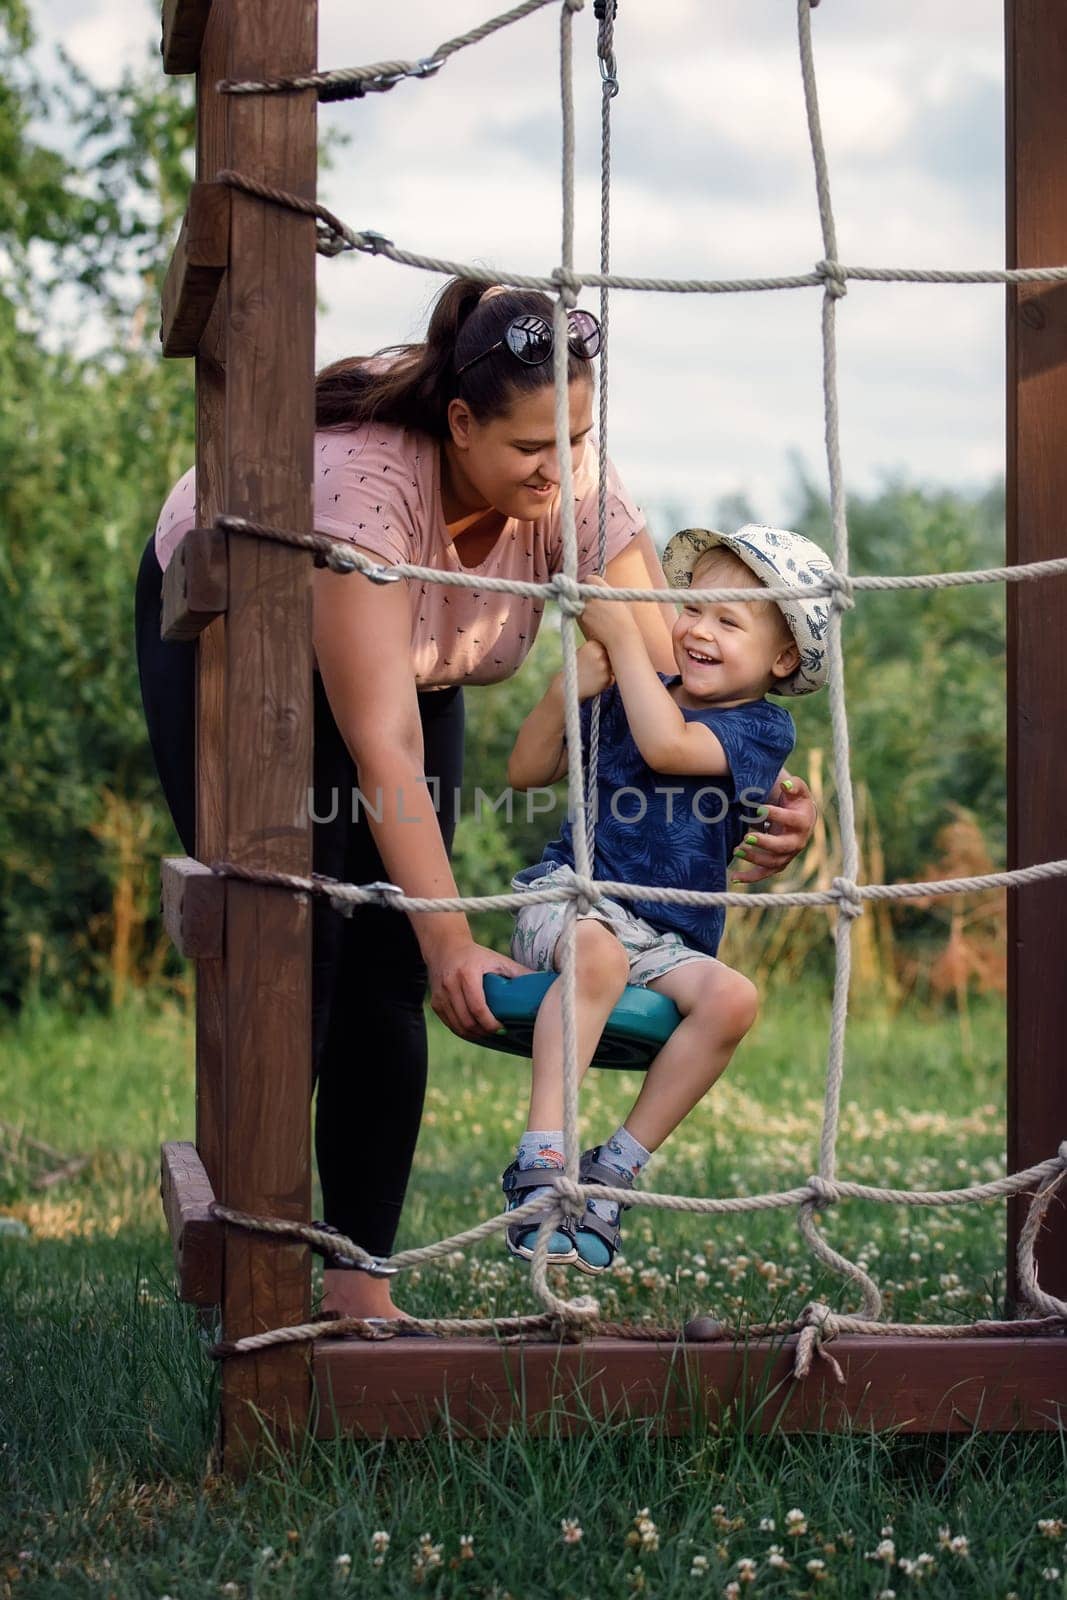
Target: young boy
<point>682,760</point>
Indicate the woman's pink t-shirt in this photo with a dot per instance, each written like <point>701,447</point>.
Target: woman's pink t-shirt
<point>380,487</point>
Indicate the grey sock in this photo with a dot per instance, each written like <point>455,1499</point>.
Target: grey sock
<point>623,1152</point>
<point>540,1147</point>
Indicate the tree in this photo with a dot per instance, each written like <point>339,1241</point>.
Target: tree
<point>89,444</point>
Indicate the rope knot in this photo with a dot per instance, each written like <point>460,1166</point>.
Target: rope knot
<point>574,5</point>
<point>847,895</point>
<point>337,560</point>
<point>567,594</point>
<point>328,242</point>
<point>834,277</point>
<point>569,284</point>
<point>586,894</point>
<point>568,1189</point>
<point>819,1324</point>
<point>823,1192</point>
<point>840,587</point>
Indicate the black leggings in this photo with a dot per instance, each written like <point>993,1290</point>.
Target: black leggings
<point>368,976</point>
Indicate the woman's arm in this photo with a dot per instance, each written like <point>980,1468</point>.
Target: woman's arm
<point>362,635</point>
<point>638,567</point>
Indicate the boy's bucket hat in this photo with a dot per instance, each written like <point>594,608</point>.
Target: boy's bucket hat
<point>781,559</point>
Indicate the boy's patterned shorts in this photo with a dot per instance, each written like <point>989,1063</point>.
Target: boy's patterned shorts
<point>538,929</point>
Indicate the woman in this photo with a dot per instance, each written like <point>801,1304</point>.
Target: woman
<point>442,454</point>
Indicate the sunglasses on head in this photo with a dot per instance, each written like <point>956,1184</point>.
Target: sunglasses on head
<point>531,340</point>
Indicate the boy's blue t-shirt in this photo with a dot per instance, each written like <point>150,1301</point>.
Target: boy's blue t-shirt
<point>676,831</point>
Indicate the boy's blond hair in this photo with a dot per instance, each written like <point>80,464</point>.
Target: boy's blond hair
<point>720,568</point>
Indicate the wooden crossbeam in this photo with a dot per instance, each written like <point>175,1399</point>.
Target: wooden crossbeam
<point>407,1388</point>
<point>196,1238</point>
<point>196,269</point>
<point>194,907</point>
<point>184,22</point>
<point>196,584</point>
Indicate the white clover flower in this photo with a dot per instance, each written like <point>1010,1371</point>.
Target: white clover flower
<point>1050,1574</point>
<point>776,1559</point>
<point>732,1591</point>
<point>466,1547</point>
<point>887,1531</point>
<point>746,1570</point>
<point>380,1542</point>
<point>343,1563</point>
<point>766,1524</point>
<point>267,1553</point>
<point>572,1532</point>
<point>884,1550</point>
<point>1050,1527</point>
<point>426,1557</point>
<point>698,1567</point>
<point>960,1545</point>
<point>796,1522</point>
<point>816,1567</point>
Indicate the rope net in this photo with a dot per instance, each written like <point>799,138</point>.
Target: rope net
<point>566,1196</point>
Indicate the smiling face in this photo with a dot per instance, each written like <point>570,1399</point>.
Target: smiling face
<point>510,462</point>
<point>735,651</point>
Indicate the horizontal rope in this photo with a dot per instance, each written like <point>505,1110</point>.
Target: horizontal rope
<point>844,894</point>
<point>351,83</point>
<point>341,556</point>
<point>508,1330</point>
<point>341,238</point>
<point>817,1192</point>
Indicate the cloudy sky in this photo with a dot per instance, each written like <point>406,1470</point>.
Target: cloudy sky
<point>713,178</point>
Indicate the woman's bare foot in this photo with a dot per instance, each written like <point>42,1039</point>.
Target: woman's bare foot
<point>357,1294</point>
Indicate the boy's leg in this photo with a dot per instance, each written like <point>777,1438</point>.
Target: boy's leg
<point>602,969</point>
<point>718,1007</point>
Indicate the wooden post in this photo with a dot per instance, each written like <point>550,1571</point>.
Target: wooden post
<point>1036,92</point>
<point>255,422</point>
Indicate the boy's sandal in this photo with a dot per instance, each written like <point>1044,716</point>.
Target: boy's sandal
<point>522,1237</point>
<point>592,1170</point>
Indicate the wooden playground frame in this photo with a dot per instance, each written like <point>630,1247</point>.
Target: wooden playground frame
<point>240,299</point>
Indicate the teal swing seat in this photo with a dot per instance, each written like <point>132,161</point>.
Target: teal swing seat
<point>636,1031</point>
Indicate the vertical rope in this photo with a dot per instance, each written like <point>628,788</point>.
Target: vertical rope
<point>575,786</point>
<point>609,89</point>
<point>835,288</point>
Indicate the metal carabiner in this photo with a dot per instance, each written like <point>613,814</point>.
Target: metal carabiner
<point>608,65</point>
<point>608,79</point>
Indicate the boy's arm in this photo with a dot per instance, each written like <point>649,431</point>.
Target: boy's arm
<point>667,741</point>
<point>539,755</point>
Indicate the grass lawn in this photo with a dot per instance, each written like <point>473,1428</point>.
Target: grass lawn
<point>107,1403</point>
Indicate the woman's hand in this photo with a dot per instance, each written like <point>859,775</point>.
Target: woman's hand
<point>456,991</point>
<point>792,814</point>
<point>594,670</point>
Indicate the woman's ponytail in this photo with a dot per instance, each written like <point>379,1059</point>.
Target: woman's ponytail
<point>411,386</point>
